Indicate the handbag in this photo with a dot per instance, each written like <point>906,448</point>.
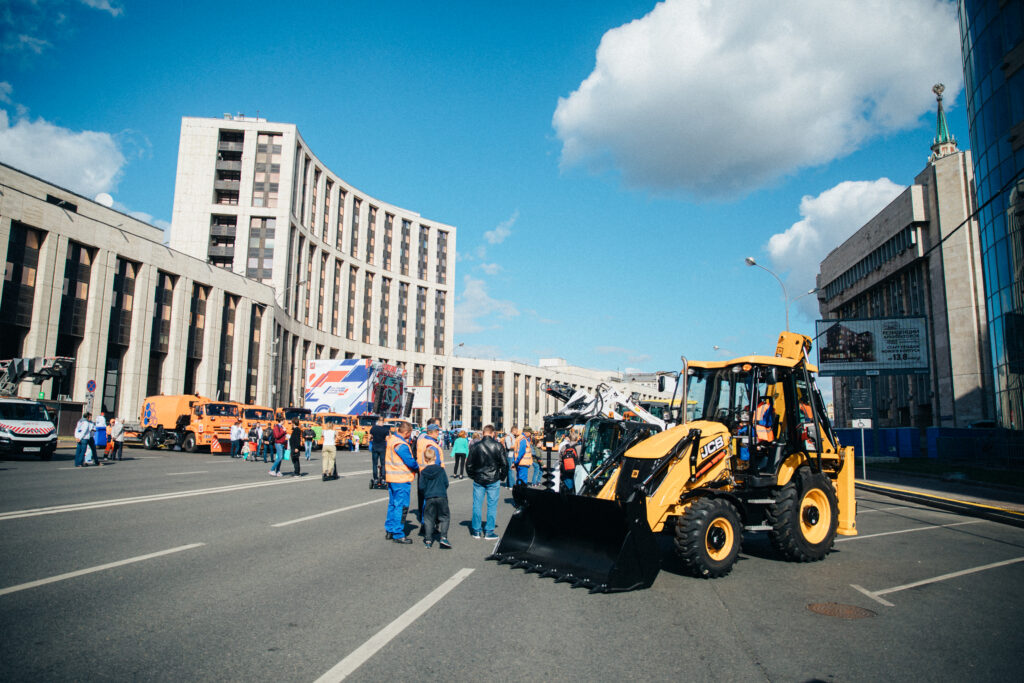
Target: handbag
<point>287,454</point>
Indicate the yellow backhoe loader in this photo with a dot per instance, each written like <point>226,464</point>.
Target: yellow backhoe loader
<point>754,452</point>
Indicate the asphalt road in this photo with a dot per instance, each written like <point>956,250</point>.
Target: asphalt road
<point>209,583</point>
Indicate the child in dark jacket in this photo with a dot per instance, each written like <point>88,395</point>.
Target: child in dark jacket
<point>435,501</point>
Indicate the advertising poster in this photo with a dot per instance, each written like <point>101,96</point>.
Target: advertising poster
<point>890,346</point>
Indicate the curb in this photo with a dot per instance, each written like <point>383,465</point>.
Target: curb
<point>991,513</point>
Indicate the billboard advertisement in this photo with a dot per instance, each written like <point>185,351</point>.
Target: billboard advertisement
<point>353,386</point>
<point>875,346</point>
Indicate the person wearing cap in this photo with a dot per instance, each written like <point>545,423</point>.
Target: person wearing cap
<point>399,470</point>
<point>427,441</point>
<point>524,456</point>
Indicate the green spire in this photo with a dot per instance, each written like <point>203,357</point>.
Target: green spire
<point>944,142</point>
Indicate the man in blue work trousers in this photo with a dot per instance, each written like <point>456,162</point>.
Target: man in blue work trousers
<point>399,471</point>
<point>524,456</point>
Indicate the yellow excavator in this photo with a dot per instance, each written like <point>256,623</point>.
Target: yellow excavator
<point>753,451</point>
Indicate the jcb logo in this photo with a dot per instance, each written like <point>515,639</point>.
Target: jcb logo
<point>711,446</point>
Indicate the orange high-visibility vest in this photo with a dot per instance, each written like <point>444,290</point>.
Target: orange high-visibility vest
<point>764,431</point>
<point>422,444</point>
<point>395,470</point>
<point>528,455</point>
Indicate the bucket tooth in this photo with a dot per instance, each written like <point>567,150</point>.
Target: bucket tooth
<point>520,564</point>
<point>535,568</point>
<point>582,583</point>
<point>565,578</point>
<point>549,573</point>
<point>507,559</point>
<point>494,556</point>
<point>600,588</point>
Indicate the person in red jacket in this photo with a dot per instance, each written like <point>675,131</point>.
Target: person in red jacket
<point>280,443</point>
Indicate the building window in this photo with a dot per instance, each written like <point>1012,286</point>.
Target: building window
<point>350,324</point>
<point>498,400</point>
<point>417,381</point>
<point>476,406</point>
<point>389,227</point>
<point>403,314</point>
<point>320,299</point>
<point>367,306</point>
<point>457,396</point>
<point>196,329</point>
<point>221,252</point>
<point>423,251</point>
<point>297,276</point>
<point>421,319</point>
<point>227,346</point>
<point>305,186</point>
<point>267,171</point>
<point>329,187</point>
<point>334,297</point>
<point>252,372</point>
<point>19,290</point>
<point>385,310</point>
<point>357,203</point>
<point>309,281</point>
<point>313,204</point>
<point>160,337</point>
<point>439,322</point>
<point>442,257</point>
<point>260,258</point>
<point>515,399</point>
<point>228,168</point>
<point>406,237</point>
<point>371,233</point>
<point>437,393</point>
<point>340,228</point>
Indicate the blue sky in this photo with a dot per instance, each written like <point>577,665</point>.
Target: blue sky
<point>608,165</point>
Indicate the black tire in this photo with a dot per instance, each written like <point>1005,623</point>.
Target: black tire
<point>188,444</point>
<point>149,440</point>
<point>708,538</point>
<point>804,518</point>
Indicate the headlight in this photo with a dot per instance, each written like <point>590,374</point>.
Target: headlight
<point>5,433</point>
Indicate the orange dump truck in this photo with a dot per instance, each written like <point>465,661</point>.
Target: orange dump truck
<point>343,424</point>
<point>306,419</point>
<point>187,421</point>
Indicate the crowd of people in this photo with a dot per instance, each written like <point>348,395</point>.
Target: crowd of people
<point>95,435</point>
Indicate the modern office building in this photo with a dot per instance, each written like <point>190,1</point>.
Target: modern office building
<point>920,256</point>
<point>273,261</point>
<point>992,42</point>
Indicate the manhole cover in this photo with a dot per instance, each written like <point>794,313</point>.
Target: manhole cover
<point>835,609</point>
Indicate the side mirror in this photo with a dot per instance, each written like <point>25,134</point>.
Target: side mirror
<point>661,383</point>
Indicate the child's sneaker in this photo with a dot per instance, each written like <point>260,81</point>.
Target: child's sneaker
<point>445,544</point>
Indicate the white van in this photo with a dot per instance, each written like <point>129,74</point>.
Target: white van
<point>26,427</point>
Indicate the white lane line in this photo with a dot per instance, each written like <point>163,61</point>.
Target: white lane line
<point>179,474</point>
<point>329,512</point>
<point>872,595</point>
<point>907,531</point>
<point>861,510</point>
<point>90,570</point>
<point>75,507</point>
<point>342,669</point>
<point>876,595</point>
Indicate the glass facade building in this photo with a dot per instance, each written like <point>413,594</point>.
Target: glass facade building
<point>991,33</point>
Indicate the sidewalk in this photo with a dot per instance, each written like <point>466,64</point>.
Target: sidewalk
<point>969,492</point>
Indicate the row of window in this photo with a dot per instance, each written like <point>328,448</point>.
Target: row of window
<point>893,247</point>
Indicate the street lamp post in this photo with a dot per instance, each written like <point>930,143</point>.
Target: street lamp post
<point>785,296</point>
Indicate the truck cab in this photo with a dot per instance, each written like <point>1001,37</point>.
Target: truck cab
<point>26,427</point>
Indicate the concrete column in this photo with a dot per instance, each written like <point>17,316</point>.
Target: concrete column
<point>240,350</point>
<point>41,339</point>
<point>206,381</point>
<point>92,352</point>
<point>172,380</point>
<point>265,378</point>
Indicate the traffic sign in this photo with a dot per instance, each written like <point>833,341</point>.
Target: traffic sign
<point>90,386</point>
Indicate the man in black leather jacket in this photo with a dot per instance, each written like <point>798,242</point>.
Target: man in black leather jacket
<point>487,467</point>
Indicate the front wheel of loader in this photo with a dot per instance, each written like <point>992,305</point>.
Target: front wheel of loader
<point>708,537</point>
<point>804,518</point>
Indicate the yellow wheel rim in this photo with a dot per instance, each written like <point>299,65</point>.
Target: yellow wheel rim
<point>815,516</point>
<point>718,539</point>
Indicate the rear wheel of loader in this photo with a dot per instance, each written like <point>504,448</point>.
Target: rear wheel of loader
<point>804,518</point>
<point>708,537</point>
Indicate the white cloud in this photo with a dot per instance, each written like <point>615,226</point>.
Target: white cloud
<point>503,229</point>
<point>491,268</point>
<point>86,162</point>
<point>112,9</point>
<point>718,98</point>
<point>5,92</point>
<point>827,221</point>
<point>477,311</point>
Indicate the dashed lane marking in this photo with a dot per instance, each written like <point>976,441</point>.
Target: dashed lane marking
<point>907,531</point>
<point>876,595</point>
<point>99,568</point>
<point>342,669</point>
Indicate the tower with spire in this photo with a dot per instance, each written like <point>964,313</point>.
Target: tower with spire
<point>944,143</point>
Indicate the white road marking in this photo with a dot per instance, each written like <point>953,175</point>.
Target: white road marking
<point>75,507</point>
<point>907,531</point>
<point>342,669</point>
<point>329,512</point>
<point>90,570</point>
<point>875,595</point>
<point>178,474</point>
<point>861,510</point>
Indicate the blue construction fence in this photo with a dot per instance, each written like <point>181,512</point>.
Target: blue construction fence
<point>995,447</point>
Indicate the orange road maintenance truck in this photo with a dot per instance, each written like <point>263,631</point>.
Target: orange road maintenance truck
<point>187,421</point>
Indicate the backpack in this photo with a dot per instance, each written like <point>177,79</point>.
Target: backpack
<point>569,459</point>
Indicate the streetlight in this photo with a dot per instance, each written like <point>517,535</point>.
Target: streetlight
<point>751,262</point>
<point>447,389</point>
